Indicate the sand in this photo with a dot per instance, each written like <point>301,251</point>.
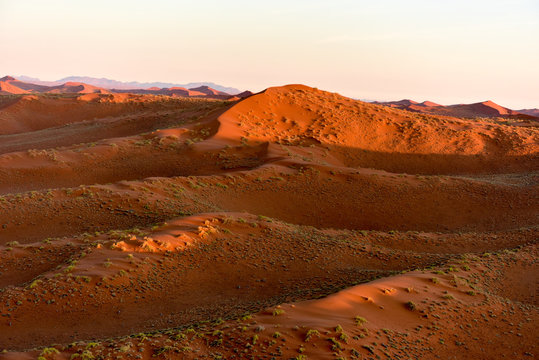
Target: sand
<point>294,223</point>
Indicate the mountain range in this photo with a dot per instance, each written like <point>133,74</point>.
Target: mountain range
<point>125,85</point>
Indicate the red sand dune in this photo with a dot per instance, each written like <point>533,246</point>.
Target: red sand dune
<point>429,103</point>
<point>32,113</point>
<point>182,92</point>
<point>295,223</point>
<point>244,94</point>
<point>208,90</point>
<point>202,92</point>
<point>7,86</point>
<point>487,109</point>
<point>78,88</point>
<point>360,134</point>
<point>10,85</point>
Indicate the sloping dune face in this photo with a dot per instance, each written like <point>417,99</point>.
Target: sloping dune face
<point>295,223</point>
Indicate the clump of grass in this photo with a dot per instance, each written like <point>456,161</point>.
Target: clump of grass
<point>34,283</point>
<point>277,312</point>
<point>47,351</point>
<point>410,305</point>
<point>360,320</point>
<point>264,218</point>
<point>246,317</point>
<point>335,345</point>
<point>164,349</point>
<point>311,333</point>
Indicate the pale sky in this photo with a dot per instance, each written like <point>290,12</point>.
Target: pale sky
<point>447,51</point>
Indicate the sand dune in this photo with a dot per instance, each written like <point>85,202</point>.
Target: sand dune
<point>77,88</point>
<point>291,224</point>
<point>485,109</point>
<point>10,85</point>
<point>31,112</point>
<point>361,134</point>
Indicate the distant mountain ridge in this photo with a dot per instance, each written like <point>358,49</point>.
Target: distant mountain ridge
<point>531,112</point>
<point>123,85</point>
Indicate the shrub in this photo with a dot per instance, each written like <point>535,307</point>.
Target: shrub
<point>277,312</point>
<point>360,320</point>
<point>410,305</point>
<point>311,333</point>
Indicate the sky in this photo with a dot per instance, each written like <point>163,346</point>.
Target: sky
<point>444,51</point>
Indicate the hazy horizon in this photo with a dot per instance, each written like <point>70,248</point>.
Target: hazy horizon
<point>449,53</point>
